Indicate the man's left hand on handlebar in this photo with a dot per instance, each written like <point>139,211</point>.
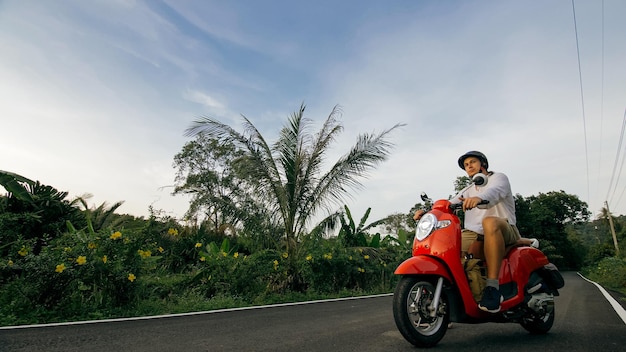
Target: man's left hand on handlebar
<point>470,203</point>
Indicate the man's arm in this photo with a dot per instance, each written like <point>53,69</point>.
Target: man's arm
<point>497,189</point>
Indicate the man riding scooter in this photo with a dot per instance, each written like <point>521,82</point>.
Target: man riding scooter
<point>437,285</point>
<point>492,227</point>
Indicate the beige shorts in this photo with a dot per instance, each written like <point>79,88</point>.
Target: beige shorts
<point>511,235</point>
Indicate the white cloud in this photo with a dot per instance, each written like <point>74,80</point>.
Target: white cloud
<point>203,99</point>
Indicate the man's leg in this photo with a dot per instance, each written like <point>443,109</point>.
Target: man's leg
<point>494,251</point>
<point>494,245</point>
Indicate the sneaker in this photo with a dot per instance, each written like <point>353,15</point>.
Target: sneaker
<point>534,243</point>
<point>491,300</point>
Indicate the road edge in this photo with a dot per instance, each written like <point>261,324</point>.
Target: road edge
<point>617,306</point>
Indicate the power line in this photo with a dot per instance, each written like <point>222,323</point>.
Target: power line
<point>619,147</point>
<point>601,95</point>
<point>620,169</point>
<point>582,98</point>
<point>617,156</point>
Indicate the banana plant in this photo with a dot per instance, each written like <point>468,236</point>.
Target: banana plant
<point>16,185</point>
<point>353,235</point>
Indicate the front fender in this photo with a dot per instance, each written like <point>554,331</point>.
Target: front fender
<point>423,265</point>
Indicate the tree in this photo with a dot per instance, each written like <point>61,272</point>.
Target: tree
<point>205,171</point>
<point>288,176</point>
<point>396,222</point>
<point>461,182</point>
<point>546,216</point>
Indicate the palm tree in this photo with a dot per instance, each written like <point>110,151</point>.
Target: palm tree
<point>288,174</point>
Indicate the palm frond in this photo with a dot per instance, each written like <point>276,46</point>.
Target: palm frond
<point>345,174</point>
<point>329,224</point>
<point>314,160</point>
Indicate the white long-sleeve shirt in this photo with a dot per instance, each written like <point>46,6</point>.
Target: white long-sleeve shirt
<point>501,202</point>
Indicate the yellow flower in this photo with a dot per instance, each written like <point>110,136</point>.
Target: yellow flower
<point>172,232</point>
<point>161,249</point>
<point>81,260</point>
<point>285,255</point>
<point>361,270</point>
<point>91,246</point>
<point>67,249</point>
<point>224,254</point>
<point>10,263</point>
<point>328,256</point>
<point>144,254</point>
<point>202,259</point>
<point>131,277</point>
<point>309,257</point>
<point>275,264</point>
<point>104,259</point>
<point>23,251</point>
<point>116,235</point>
<point>366,257</point>
<point>60,268</point>
<point>236,255</point>
<point>198,244</point>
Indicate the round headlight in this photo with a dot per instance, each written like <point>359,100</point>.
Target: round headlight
<point>425,226</point>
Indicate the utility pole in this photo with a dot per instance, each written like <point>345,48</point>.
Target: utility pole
<point>608,212</point>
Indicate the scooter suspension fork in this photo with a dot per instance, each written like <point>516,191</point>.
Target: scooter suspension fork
<point>434,306</point>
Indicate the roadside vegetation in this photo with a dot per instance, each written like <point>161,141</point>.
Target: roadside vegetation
<point>246,238</point>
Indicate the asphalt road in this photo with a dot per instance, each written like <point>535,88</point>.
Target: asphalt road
<point>585,321</point>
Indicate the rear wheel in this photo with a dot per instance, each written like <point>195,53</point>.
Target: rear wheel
<point>412,312</point>
<point>540,323</point>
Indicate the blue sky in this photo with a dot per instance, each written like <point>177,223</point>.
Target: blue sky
<point>95,95</point>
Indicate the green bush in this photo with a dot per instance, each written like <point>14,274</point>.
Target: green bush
<point>609,272</point>
<point>336,269</point>
<point>231,273</point>
<point>164,268</point>
<point>75,275</point>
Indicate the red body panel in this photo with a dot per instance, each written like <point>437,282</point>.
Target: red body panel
<point>424,265</point>
<point>517,266</point>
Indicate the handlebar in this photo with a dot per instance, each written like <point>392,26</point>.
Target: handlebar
<point>458,206</point>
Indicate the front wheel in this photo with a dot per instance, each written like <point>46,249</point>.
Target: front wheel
<point>412,312</point>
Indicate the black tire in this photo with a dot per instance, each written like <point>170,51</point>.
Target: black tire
<point>410,311</point>
<point>540,325</point>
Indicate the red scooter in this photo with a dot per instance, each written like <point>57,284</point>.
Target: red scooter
<point>434,289</point>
